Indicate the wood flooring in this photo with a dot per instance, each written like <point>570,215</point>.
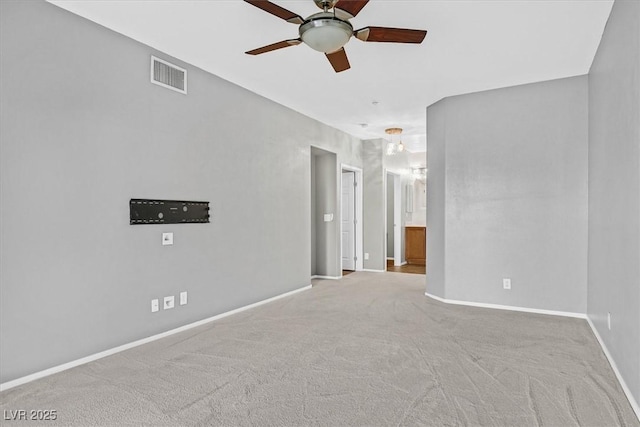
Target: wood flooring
<point>407,268</point>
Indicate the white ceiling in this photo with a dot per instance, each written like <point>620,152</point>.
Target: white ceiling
<point>471,45</point>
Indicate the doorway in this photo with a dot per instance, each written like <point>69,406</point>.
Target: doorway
<point>325,240</point>
<point>348,218</point>
<point>351,219</point>
<point>394,220</point>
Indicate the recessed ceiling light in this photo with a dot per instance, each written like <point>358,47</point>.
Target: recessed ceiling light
<point>375,102</point>
<point>364,125</point>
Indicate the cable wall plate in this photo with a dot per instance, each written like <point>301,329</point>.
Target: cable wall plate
<point>151,211</point>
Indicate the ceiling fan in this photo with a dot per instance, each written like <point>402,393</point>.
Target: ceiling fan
<point>328,31</point>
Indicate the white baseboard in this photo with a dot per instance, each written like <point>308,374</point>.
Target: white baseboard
<point>373,271</point>
<point>509,307</point>
<point>625,388</point>
<point>317,276</point>
<point>623,384</point>
<point>23,380</point>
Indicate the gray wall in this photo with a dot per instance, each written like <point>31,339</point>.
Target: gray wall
<point>515,187</point>
<point>82,132</point>
<point>326,234</point>
<point>436,183</point>
<point>373,204</point>
<point>614,190</point>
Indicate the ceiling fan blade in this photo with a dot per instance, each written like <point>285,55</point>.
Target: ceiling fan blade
<point>339,60</point>
<point>274,46</point>
<point>276,10</point>
<point>390,35</point>
<point>352,7</point>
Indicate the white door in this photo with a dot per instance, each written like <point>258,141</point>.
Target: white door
<point>348,221</point>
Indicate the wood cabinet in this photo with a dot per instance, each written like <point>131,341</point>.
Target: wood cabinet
<point>416,245</point>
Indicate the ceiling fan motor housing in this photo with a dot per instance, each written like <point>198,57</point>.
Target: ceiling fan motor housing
<point>325,32</point>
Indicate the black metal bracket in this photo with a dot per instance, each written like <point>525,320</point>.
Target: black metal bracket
<point>148,211</point>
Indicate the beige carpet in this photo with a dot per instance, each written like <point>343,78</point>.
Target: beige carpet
<point>370,349</point>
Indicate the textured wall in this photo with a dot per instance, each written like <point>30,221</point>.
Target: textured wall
<point>614,190</point>
<point>83,131</point>
<point>436,180</point>
<point>515,177</point>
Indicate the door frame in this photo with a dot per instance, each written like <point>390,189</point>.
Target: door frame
<point>358,215</point>
<point>398,241</point>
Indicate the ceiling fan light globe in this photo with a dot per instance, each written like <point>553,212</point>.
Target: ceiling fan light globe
<point>325,34</point>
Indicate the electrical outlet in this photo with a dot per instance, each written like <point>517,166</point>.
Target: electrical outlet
<point>366,255</point>
<point>154,305</point>
<point>167,239</point>
<point>169,302</point>
<point>609,321</point>
<point>506,283</point>
<point>183,298</point>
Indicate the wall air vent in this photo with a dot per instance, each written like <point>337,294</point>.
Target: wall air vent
<point>168,75</point>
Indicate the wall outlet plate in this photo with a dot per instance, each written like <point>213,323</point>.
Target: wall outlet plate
<point>155,306</point>
<point>366,255</point>
<point>506,283</point>
<point>183,298</point>
<point>169,302</point>
<point>167,239</point>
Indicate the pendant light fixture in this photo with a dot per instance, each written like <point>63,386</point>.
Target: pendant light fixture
<point>393,148</point>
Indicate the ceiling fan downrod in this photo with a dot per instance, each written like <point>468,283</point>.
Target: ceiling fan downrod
<point>325,4</point>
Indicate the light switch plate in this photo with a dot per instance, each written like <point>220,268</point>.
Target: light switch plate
<point>154,305</point>
<point>328,217</point>
<point>167,239</point>
<point>183,298</point>
<point>169,302</point>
